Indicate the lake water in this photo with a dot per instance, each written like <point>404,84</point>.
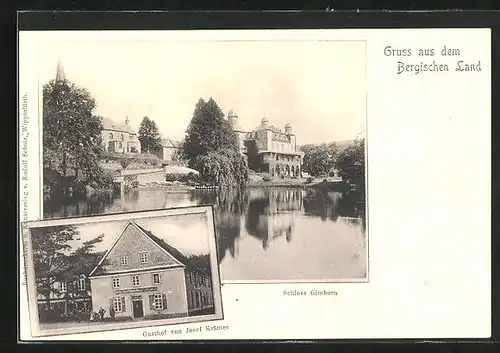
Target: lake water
<point>262,233</point>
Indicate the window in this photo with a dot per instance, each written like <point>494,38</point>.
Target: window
<point>136,281</point>
<point>158,301</point>
<point>124,260</point>
<point>156,278</point>
<point>122,138</point>
<point>110,135</point>
<point>63,287</point>
<point>118,304</point>
<point>81,283</point>
<point>144,258</point>
<point>116,282</point>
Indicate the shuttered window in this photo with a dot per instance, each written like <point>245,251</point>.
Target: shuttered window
<point>157,301</point>
<point>119,304</point>
<point>156,278</point>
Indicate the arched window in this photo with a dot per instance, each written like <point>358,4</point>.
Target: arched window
<point>123,138</point>
<point>110,135</point>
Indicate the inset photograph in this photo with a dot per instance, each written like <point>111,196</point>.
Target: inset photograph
<point>122,271</point>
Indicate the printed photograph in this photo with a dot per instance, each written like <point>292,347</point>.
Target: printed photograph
<point>271,133</point>
<point>95,275</point>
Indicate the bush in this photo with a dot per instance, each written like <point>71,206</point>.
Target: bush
<point>266,178</point>
<point>221,168</point>
<point>309,180</point>
<point>183,178</point>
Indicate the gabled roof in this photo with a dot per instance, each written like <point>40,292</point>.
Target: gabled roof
<point>176,254</point>
<point>173,251</point>
<point>168,143</point>
<point>111,125</point>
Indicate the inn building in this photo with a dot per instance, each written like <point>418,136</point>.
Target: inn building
<point>269,149</point>
<point>141,276</point>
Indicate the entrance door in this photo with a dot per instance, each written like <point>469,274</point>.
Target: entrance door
<point>138,311</point>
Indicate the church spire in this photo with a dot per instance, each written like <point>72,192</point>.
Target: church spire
<point>60,72</point>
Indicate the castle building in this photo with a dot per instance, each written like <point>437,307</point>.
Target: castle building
<point>119,138</point>
<point>143,276</point>
<point>269,149</point>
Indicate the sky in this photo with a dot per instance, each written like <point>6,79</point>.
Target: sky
<point>317,86</point>
<point>187,233</point>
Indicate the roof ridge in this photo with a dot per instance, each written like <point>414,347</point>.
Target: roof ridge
<point>178,255</point>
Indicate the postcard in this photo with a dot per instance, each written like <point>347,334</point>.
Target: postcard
<point>337,164</point>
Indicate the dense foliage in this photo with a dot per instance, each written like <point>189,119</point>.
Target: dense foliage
<point>208,131</point>
<point>222,168</point>
<point>54,261</point>
<point>72,142</point>
<point>350,163</point>
<point>211,147</point>
<point>319,159</point>
<point>149,136</point>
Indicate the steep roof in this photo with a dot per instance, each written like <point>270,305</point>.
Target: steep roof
<point>176,254</point>
<point>268,127</point>
<point>173,251</point>
<point>168,143</point>
<point>109,124</point>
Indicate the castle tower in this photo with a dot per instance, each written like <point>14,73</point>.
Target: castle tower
<point>127,121</point>
<point>264,122</point>
<point>288,128</point>
<point>232,118</point>
<point>60,77</point>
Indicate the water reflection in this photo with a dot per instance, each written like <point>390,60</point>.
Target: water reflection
<point>262,233</point>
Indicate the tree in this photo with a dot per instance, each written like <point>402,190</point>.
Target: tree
<point>208,131</point>
<point>350,163</point>
<point>71,132</point>
<point>222,168</point>
<point>149,136</point>
<point>50,250</point>
<point>55,262</point>
<point>319,159</point>
<point>201,262</point>
<point>211,147</point>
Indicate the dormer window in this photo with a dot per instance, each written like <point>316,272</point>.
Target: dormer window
<point>144,257</point>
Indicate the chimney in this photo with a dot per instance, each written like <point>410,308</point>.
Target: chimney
<point>127,121</point>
